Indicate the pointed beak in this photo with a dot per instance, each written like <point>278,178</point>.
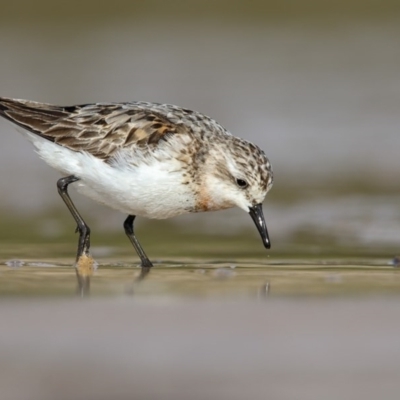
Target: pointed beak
<point>257,215</point>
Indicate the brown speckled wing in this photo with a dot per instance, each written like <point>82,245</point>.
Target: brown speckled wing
<point>99,129</point>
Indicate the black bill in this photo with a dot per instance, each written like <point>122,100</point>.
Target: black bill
<point>256,213</point>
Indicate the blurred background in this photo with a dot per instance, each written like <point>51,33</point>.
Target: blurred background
<point>314,83</point>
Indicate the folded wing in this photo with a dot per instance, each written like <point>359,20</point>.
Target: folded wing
<point>99,129</point>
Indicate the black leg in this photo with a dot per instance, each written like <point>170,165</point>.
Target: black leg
<point>128,226</point>
<point>82,228</point>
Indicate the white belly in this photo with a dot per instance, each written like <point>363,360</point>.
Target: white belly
<point>150,189</point>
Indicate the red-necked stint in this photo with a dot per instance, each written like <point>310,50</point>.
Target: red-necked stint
<point>147,159</point>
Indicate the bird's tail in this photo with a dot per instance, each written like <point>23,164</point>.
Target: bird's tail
<point>32,116</point>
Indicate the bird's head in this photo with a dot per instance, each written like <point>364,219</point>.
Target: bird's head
<point>238,173</point>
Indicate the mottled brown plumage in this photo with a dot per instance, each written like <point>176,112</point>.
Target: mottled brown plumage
<point>102,129</point>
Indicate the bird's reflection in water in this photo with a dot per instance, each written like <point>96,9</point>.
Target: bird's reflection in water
<point>83,288</point>
<point>85,268</point>
<point>144,271</point>
<point>263,291</point>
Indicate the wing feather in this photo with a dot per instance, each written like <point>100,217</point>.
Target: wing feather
<point>99,129</point>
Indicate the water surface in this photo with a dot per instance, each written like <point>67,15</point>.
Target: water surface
<point>244,278</point>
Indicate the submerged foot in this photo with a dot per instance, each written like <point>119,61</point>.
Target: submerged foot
<point>85,267</point>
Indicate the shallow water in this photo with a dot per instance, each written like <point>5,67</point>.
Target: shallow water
<point>35,262</point>
<point>245,279</point>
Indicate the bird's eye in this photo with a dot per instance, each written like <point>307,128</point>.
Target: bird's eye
<point>241,183</point>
